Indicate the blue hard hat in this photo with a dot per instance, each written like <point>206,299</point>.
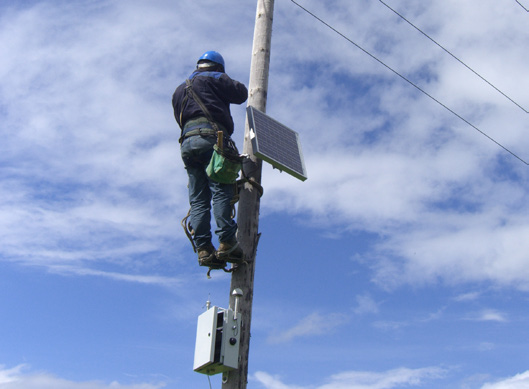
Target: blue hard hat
<point>212,56</point>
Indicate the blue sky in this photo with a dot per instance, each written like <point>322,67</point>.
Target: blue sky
<point>400,263</point>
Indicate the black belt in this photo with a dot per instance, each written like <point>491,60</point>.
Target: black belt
<point>199,131</point>
<point>199,126</point>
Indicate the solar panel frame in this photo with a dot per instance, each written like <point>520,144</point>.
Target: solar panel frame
<point>276,144</point>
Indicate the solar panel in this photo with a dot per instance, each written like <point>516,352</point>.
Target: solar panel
<point>276,144</point>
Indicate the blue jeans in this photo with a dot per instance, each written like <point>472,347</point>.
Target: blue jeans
<point>196,153</point>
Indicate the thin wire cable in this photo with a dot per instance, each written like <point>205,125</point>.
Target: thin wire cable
<point>411,83</point>
<point>521,5</point>
<point>453,56</point>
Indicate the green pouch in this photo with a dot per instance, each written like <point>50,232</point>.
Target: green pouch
<point>224,166</point>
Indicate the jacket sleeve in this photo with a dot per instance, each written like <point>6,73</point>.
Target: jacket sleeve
<point>236,91</point>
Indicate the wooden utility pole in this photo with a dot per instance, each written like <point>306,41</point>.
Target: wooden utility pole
<point>249,203</point>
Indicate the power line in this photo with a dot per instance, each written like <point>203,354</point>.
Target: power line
<point>453,56</point>
<point>521,5</point>
<point>410,82</point>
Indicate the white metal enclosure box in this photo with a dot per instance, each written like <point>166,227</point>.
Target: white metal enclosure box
<point>217,342</point>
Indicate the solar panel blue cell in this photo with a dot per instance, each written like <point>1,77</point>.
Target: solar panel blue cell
<point>276,144</point>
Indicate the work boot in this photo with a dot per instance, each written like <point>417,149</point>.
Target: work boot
<point>230,252</point>
<point>206,257</point>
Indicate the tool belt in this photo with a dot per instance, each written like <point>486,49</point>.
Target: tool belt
<point>199,126</point>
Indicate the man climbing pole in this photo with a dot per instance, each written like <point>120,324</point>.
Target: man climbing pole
<point>202,110</point>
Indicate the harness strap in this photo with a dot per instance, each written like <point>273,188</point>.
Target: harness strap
<point>198,100</point>
<point>208,118</point>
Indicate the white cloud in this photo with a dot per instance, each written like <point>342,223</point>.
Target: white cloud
<point>137,278</point>
<point>385,380</point>
<point>16,378</point>
<point>366,304</point>
<point>270,382</point>
<point>397,378</point>
<point>313,324</point>
<point>91,153</point>
<point>489,315</point>
<point>519,381</point>
<point>91,177</point>
<point>412,172</point>
<point>470,296</point>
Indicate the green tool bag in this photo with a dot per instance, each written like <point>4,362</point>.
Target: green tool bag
<point>224,166</point>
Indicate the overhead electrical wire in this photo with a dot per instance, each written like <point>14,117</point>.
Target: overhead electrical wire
<point>521,5</point>
<point>410,82</point>
<point>453,56</point>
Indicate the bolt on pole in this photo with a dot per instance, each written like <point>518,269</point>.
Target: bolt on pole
<point>249,202</point>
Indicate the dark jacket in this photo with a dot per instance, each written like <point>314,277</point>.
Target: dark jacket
<point>217,91</point>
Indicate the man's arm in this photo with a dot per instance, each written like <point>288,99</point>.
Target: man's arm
<point>237,92</point>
